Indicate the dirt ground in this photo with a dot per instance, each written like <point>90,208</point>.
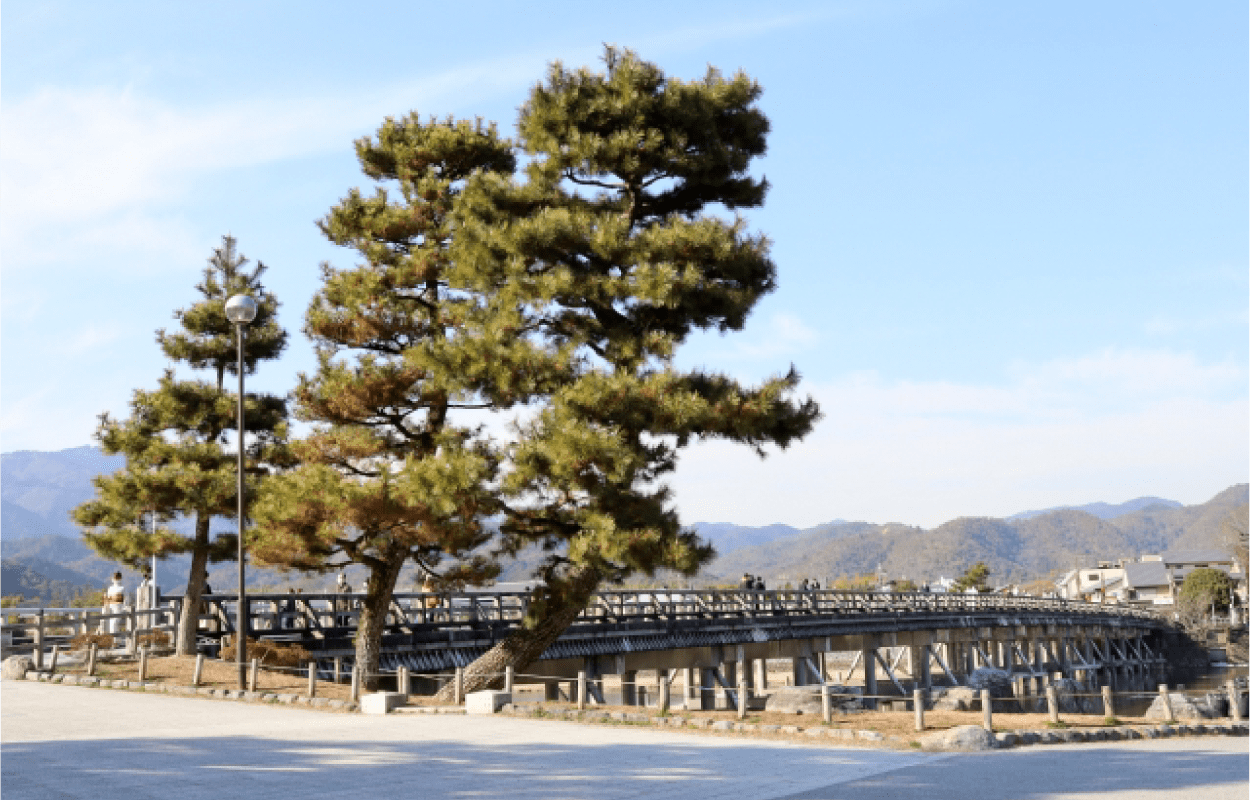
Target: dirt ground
<point>179,670</point>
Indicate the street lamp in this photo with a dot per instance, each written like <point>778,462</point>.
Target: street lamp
<point>241,310</point>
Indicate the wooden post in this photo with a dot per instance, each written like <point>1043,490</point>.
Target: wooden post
<point>199,670</point>
<point>459,687</point>
<point>1108,704</point>
<point>1234,701</point>
<point>1052,703</point>
<point>826,704</point>
<point>56,650</point>
<point>742,694</point>
<point>132,630</point>
<point>312,679</point>
<point>356,676</point>
<point>917,699</point>
<point>143,663</point>
<point>581,689</point>
<point>39,641</point>
<point>91,654</point>
<point>402,682</point>
<point>253,675</point>
<point>1167,704</point>
<point>509,678</point>
<point>338,669</point>
<point>987,711</point>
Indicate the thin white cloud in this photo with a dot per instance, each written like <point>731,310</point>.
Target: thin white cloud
<point>107,167</point>
<point>1108,426</point>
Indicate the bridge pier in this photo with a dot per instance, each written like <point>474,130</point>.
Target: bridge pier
<point>868,654</point>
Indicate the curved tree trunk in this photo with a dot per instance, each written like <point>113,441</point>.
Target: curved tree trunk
<point>524,646</point>
<point>372,621</point>
<point>189,619</point>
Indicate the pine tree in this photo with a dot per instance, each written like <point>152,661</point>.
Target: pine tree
<point>178,459</point>
<point>394,470</point>
<point>613,253</point>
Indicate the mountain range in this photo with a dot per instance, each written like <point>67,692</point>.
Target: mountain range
<point>43,552</point>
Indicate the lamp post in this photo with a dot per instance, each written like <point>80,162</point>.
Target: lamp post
<point>241,310</point>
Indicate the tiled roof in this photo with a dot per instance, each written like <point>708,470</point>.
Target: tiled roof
<point>1146,573</point>
<point>1206,556</point>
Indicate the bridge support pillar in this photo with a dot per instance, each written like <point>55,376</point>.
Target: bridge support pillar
<point>629,693</point>
<point>729,684</point>
<point>691,697</point>
<point>551,691</point>
<point>747,675</point>
<point>707,688</point>
<point>761,674</point>
<point>868,656</point>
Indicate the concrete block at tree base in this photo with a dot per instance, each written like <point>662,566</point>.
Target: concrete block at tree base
<point>965,738</point>
<point>381,702</point>
<point>486,702</point>
<point>15,668</point>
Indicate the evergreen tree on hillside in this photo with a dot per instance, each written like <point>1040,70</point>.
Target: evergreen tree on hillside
<point>615,250</point>
<point>179,460</point>
<point>395,468</point>
<point>975,577</point>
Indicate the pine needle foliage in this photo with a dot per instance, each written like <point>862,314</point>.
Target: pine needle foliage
<point>179,462</point>
<point>395,468</point>
<point>616,245</point>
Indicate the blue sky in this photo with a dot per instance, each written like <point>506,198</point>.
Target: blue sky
<point>1011,237</point>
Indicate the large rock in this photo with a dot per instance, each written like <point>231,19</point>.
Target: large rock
<point>964,738</point>
<point>15,668</point>
<point>1209,707</point>
<point>997,681</point>
<point>1067,692</point>
<point>956,698</point>
<point>806,699</point>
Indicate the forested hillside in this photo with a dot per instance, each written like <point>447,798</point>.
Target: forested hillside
<point>1015,549</point>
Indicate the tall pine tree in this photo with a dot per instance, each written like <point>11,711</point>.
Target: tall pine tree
<point>179,462</point>
<point>614,249</point>
<point>395,469</point>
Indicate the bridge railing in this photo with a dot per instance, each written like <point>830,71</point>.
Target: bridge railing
<point>335,614</point>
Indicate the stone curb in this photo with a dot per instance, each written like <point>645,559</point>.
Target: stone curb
<point>1002,740</point>
<point>264,698</point>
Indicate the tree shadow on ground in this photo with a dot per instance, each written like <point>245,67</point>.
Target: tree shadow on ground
<point>1045,772</point>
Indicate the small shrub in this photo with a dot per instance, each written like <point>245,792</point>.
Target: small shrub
<point>1056,724</point>
<point>914,743</point>
<point>1112,721</point>
<point>270,654</point>
<point>82,641</point>
<point>155,639</point>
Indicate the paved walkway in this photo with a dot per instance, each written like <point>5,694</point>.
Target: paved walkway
<point>74,742</point>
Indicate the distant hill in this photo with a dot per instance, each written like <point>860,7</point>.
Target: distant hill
<point>38,490</point>
<point>1014,548</point>
<point>1106,510</point>
<point>42,547</point>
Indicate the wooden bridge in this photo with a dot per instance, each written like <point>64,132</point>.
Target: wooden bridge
<point>911,640</point>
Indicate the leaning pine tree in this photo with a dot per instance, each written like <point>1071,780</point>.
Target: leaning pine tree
<point>395,471</point>
<point>179,463</point>
<point>609,250</point>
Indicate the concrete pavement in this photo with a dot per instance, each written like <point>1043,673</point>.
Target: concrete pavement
<point>75,742</point>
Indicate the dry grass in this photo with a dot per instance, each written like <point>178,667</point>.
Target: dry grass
<point>179,670</point>
<point>887,723</point>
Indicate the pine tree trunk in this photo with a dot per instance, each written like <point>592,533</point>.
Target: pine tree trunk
<point>524,646</point>
<point>189,620</point>
<point>372,621</point>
